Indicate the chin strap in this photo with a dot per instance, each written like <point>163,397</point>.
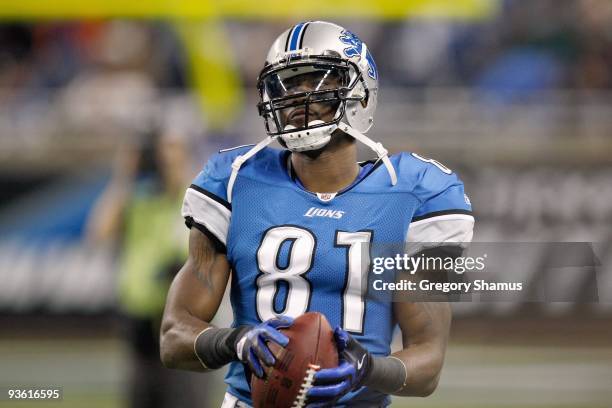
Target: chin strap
<point>239,161</point>
<point>376,146</point>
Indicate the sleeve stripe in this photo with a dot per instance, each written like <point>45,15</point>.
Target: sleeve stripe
<point>444,229</point>
<point>445,217</point>
<point>220,246</point>
<point>439,213</point>
<point>207,212</point>
<point>212,196</point>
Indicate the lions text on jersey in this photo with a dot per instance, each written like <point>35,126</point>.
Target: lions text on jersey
<point>294,251</point>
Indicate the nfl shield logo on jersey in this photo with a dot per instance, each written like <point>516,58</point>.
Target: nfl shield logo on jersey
<point>326,196</point>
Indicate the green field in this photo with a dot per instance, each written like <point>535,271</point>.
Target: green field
<point>92,373</point>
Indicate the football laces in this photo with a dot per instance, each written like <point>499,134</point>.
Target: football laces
<point>300,400</point>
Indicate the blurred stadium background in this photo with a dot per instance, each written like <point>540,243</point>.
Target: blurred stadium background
<point>515,95</point>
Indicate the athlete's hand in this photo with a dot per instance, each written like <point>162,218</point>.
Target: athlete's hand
<point>252,348</point>
<point>354,365</point>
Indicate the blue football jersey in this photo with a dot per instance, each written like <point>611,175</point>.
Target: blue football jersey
<point>294,251</point>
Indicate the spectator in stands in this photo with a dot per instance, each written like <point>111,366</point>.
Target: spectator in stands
<point>139,214</point>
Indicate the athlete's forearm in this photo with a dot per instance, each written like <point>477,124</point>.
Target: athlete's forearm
<point>407,373</point>
<point>192,302</point>
<point>387,375</point>
<point>425,330</point>
<point>423,365</point>
<point>196,345</point>
<point>177,337</point>
<point>215,347</point>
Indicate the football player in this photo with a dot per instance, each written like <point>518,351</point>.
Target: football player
<point>290,224</point>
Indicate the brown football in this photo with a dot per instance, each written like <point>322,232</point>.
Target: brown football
<point>311,347</point>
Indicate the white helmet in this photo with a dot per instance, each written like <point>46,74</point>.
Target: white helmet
<point>313,66</point>
<point>343,76</point>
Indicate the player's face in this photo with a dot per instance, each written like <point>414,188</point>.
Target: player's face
<point>300,85</point>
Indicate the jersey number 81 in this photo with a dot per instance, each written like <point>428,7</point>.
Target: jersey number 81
<point>301,253</point>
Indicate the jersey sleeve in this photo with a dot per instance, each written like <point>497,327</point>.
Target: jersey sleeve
<point>205,205</point>
<point>444,215</point>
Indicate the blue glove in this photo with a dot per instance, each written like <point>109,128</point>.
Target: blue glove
<point>354,365</point>
<point>252,349</point>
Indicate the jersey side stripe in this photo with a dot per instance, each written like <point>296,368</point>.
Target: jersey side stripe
<point>208,212</point>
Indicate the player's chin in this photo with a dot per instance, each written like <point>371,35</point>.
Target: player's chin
<point>298,120</point>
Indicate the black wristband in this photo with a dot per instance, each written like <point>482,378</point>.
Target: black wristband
<point>387,375</point>
<point>216,347</point>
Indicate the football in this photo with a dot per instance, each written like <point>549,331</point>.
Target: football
<point>311,347</point>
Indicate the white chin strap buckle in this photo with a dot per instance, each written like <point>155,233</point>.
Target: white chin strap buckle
<point>308,139</point>
<point>380,149</point>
